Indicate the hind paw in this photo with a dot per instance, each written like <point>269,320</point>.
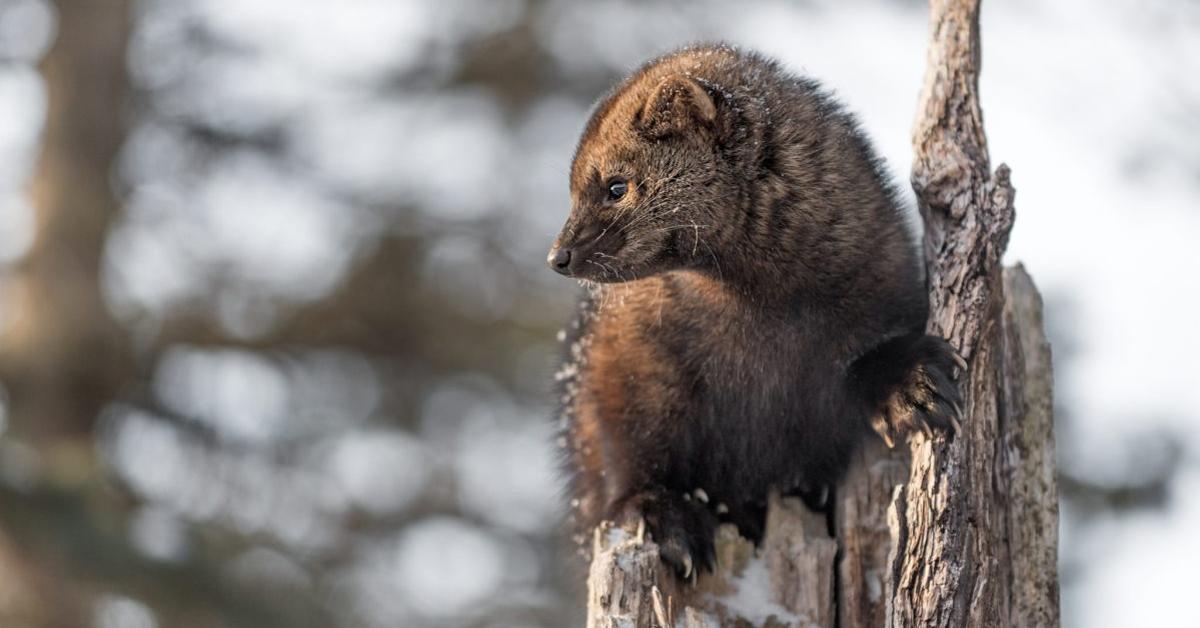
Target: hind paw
<point>682,528</point>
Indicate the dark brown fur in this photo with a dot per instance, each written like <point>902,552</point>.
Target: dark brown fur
<point>755,304</point>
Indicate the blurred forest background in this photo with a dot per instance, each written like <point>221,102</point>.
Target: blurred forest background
<point>276,337</point>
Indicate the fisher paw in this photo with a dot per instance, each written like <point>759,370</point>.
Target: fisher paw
<point>682,527</point>
<point>927,398</point>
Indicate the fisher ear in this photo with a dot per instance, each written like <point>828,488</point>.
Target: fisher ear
<point>677,104</point>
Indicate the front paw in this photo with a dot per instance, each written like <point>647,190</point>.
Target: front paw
<point>927,398</point>
<point>683,528</point>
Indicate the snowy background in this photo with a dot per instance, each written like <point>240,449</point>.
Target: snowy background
<point>403,164</point>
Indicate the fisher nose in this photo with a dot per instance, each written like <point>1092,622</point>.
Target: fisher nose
<point>560,260</point>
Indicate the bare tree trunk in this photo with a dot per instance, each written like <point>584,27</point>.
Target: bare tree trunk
<point>958,523</point>
<point>63,356</point>
<point>952,532</point>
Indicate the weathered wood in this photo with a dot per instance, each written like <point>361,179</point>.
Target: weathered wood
<point>788,582</point>
<point>1028,452</point>
<point>950,531</point>
<point>863,532</point>
<point>799,556</point>
<point>623,581</point>
<point>962,518</point>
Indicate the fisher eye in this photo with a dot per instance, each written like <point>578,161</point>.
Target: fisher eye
<point>617,189</point>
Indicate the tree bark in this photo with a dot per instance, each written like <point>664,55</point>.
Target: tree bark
<point>950,531</point>
<point>1027,446</point>
<point>961,550</point>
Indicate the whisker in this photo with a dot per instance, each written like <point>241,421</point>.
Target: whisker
<point>597,238</point>
<point>682,226</point>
